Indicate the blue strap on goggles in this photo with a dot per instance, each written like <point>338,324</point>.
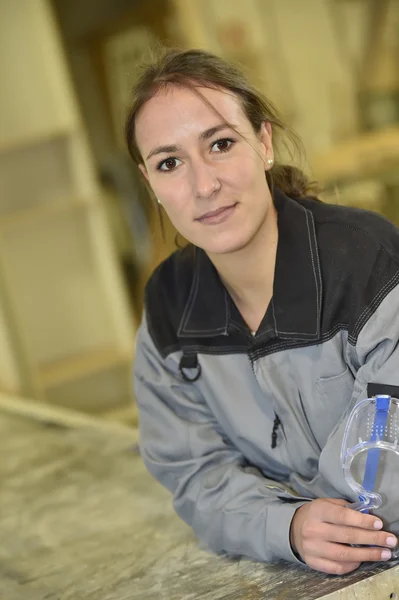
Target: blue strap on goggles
<point>383,404</point>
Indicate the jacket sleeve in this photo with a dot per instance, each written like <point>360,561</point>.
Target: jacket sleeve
<point>229,504</point>
<point>375,360</point>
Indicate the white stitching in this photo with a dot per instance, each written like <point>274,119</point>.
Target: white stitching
<point>190,301</point>
<point>261,334</point>
<point>220,350</point>
<point>317,284</point>
<point>198,331</point>
<point>320,281</point>
<point>244,349</point>
<point>370,308</point>
<point>274,317</point>
<point>226,306</point>
<point>314,273</point>
<point>284,345</point>
<point>375,299</point>
<point>310,335</point>
<point>183,331</point>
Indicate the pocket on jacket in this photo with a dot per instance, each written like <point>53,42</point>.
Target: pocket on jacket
<point>334,396</point>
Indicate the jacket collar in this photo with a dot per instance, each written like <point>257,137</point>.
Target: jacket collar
<point>295,309</point>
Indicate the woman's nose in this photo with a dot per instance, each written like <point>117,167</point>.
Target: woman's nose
<point>205,181</point>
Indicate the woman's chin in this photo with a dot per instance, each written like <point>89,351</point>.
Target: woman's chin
<point>224,244</point>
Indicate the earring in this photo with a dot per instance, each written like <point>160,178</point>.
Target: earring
<point>158,200</point>
<point>270,162</point>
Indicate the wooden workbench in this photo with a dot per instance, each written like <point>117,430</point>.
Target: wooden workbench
<point>81,519</point>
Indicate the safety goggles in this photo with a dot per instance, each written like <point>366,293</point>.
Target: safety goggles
<point>369,447</point>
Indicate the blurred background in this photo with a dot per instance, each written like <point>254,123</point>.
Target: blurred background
<point>79,235</point>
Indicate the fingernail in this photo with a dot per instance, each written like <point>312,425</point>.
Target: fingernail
<point>377,524</point>
<point>386,554</point>
<point>391,541</point>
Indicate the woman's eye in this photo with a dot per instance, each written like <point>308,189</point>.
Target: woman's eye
<point>223,145</point>
<point>168,165</point>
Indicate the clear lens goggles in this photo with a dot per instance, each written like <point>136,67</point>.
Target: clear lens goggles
<point>369,447</point>
<point>371,443</point>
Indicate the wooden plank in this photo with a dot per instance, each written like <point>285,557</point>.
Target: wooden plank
<point>126,414</point>
<point>74,367</point>
<point>35,78</point>
<point>383,586</point>
<point>373,152</point>
<point>27,140</point>
<point>321,84</point>
<point>64,417</point>
<point>30,216</point>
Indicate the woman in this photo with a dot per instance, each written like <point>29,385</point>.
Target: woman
<point>261,334</point>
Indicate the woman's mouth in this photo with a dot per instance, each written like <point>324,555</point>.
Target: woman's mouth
<point>217,216</point>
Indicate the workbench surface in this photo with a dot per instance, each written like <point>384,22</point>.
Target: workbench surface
<point>80,518</point>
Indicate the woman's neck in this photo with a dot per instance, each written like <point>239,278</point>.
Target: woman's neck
<point>248,273</point>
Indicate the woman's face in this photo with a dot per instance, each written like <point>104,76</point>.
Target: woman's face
<point>210,181</point>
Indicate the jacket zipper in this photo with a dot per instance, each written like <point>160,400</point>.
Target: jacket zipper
<point>277,421</point>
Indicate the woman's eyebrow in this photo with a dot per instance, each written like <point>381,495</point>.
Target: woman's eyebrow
<point>163,149</point>
<point>208,133</point>
<point>205,135</point>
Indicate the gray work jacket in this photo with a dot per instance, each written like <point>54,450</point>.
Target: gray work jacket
<point>244,429</point>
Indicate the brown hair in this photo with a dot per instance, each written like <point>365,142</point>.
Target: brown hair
<point>198,68</point>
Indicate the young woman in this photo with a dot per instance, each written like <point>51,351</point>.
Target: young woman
<point>262,333</point>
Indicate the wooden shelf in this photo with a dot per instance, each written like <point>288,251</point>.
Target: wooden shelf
<point>10,220</point>
<point>67,336</point>
<point>77,367</point>
<point>45,413</point>
<point>21,143</point>
<point>366,155</point>
<point>128,415</point>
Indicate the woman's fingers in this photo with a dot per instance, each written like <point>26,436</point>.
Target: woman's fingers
<point>340,514</point>
<point>332,568</point>
<point>355,536</point>
<point>341,553</point>
<point>327,530</point>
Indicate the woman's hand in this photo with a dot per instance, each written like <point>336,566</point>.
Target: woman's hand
<point>322,531</point>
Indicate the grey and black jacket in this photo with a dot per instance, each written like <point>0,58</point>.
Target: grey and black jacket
<point>241,429</point>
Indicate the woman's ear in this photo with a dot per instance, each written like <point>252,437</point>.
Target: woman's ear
<point>144,172</point>
<point>265,136</point>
